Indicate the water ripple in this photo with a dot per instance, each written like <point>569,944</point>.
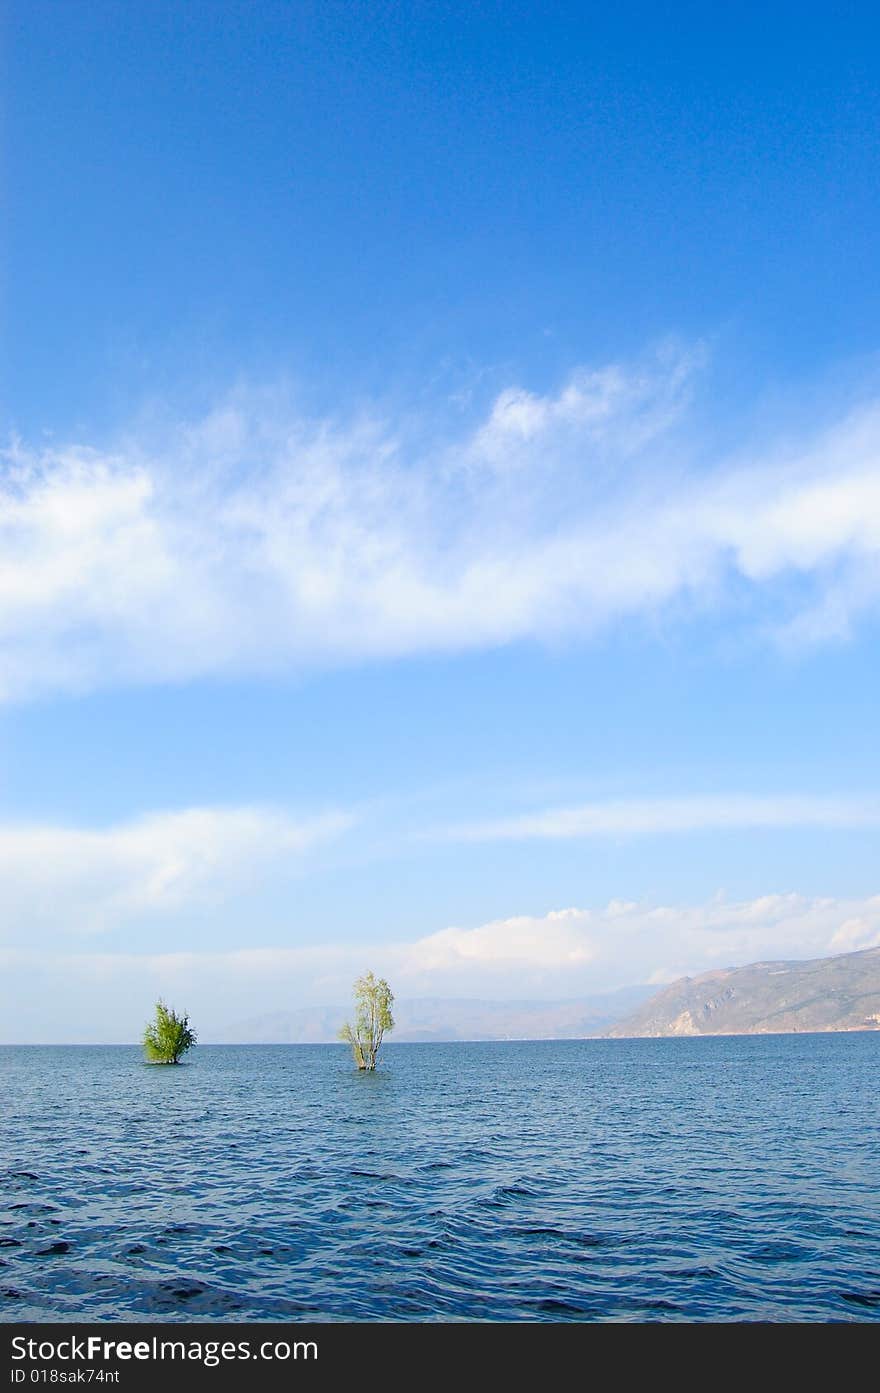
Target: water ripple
<point>573,1181</point>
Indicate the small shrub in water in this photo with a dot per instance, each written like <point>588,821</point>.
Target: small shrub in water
<point>373,999</point>
<point>168,1036</point>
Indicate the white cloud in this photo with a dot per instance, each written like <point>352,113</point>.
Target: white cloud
<point>65,883</point>
<point>645,816</point>
<point>585,950</point>
<point>60,881</point>
<point>556,940</point>
<point>862,931</point>
<point>611,407</point>
<point>558,955</point>
<point>257,540</point>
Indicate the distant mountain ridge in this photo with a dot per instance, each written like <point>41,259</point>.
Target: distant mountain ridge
<point>822,994</point>
<point>436,1018</point>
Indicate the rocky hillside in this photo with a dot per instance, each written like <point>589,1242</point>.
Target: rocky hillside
<point>841,993</point>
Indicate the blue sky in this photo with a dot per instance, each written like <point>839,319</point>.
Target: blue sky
<point>440,509</point>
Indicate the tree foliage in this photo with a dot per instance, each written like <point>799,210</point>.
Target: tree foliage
<point>373,999</point>
<point>168,1036</point>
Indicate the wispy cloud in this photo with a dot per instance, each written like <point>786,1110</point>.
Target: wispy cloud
<point>612,408</point>
<point>629,817</point>
<point>62,881</point>
<point>561,954</point>
<point>258,540</point>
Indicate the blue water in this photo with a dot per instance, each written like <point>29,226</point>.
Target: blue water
<point>693,1179</point>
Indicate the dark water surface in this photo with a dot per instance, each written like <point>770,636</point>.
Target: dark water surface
<point>693,1179</point>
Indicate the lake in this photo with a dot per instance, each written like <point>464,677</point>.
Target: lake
<point>627,1180</point>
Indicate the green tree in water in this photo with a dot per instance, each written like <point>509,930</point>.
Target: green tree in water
<point>373,999</point>
<point>168,1036</point>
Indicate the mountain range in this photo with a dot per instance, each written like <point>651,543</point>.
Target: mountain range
<point>438,1018</point>
<point>821,994</point>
